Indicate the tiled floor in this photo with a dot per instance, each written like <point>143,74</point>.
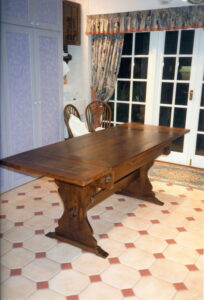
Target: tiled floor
<point>156,252</point>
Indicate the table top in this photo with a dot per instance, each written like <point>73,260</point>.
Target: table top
<point>84,159</point>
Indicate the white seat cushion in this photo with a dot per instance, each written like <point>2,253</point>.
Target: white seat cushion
<point>99,128</point>
<point>77,126</point>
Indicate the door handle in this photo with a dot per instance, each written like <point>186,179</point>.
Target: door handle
<point>191,95</point>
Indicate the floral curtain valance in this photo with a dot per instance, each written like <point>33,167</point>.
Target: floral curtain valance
<point>147,20</point>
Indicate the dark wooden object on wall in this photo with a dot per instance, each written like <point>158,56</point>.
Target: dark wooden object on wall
<point>71,23</point>
<point>98,114</point>
<point>68,110</point>
<point>89,168</point>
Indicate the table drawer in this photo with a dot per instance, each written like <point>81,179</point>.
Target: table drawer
<point>136,162</point>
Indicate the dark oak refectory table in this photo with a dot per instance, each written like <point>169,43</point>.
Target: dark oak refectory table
<point>89,168</point>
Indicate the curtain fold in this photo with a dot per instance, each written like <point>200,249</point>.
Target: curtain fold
<point>147,20</point>
<point>106,56</point>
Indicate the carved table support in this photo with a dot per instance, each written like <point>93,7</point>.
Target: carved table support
<point>73,226</point>
<point>140,187</point>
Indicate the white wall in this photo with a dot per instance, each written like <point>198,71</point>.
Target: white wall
<point>78,77</point>
<point>114,6</point>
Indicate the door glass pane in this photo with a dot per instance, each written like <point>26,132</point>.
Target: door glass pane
<point>165,116</point>
<point>169,68</point>
<point>125,68</point>
<point>138,113</point>
<point>142,43</point>
<point>122,112</point>
<point>112,106</point>
<point>127,45</point>
<point>123,90</point>
<point>187,40</point>
<point>139,91</point>
<point>171,42</point>
<point>200,144</point>
<point>113,96</point>
<point>177,145</point>
<point>184,68</point>
<point>202,96</point>
<point>201,120</point>
<point>179,117</point>
<point>140,68</point>
<point>166,93</point>
<point>182,93</point>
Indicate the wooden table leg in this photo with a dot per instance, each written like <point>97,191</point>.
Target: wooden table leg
<point>140,187</point>
<point>73,226</point>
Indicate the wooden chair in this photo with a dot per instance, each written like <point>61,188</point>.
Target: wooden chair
<point>68,110</point>
<point>98,115</point>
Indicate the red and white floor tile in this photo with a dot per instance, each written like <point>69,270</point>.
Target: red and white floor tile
<point>155,252</point>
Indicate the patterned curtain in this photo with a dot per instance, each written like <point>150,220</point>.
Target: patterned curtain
<point>106,56</point>
<point>108,30</point>
<point>173,18</point>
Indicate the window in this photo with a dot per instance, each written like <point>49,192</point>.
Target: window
<point>129,100</point>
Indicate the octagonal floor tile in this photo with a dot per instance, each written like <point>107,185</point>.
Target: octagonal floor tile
<point>148,212</point>
<point>54,212</point>
<point>200,263</point>
<point>180,254</point>
<point>175,219</point>
<point>17,287</point>
<point>18,234</point>
<point>5,273</point>
<point>69,282</point>
<point>89,264</point>
<point>41,269</point>
<point>32,206</point>
<point>18,215</point>
<point>46,295</point>
<point>113,216</point>
<point>137,258</point>
<point>190,240</point>
<point>100,291</point>
<point>136,223</point>
<point>121,277</point>
<point>195,226</point>
<point>168,270</point>
<point>39,243</point>
<point>52,198</point>
<point>194,281</point>
<point>150,288</point>
<point>114,248</point>
<point>5,246</point>
<point>39,222</point>
<point>123,234</point>
<point>63,253</point>
<point>127,206</point>
<point>96,210</point>
<point>151,243</point>
<point>100,226</point>
<point>113,199</point>
<point>17,258</point>
<point>163,231</point>
<point>5,225</point>
<point>186,294</point>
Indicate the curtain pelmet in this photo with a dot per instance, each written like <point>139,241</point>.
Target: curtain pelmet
<point>147,20</point>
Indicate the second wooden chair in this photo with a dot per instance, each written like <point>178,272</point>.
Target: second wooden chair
<point>98,115</point>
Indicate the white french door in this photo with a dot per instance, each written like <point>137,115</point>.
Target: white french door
<point>161,82</point>
<point>179,94</point>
